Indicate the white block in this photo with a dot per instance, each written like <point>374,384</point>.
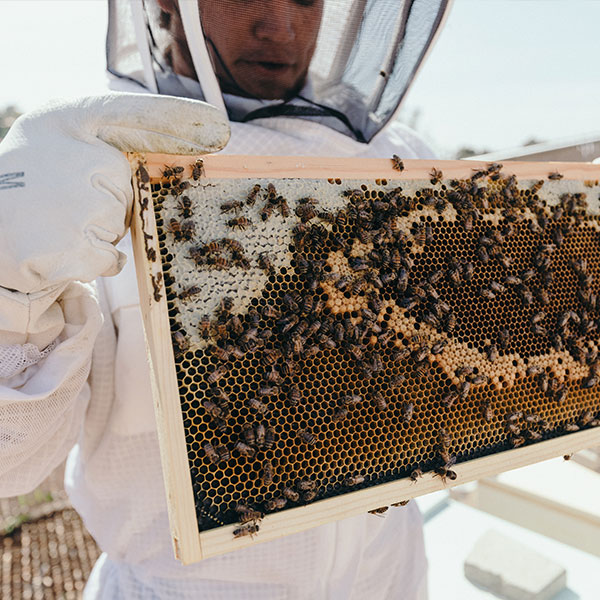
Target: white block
<point>513,571</point>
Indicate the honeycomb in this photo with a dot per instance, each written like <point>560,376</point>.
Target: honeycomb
<point>333,335</point>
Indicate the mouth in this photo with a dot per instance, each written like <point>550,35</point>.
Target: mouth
<point>270,67</point>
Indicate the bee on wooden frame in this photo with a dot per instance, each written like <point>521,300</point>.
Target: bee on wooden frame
<point>397,163</point>
<point>197,169</point>
<point>250,529</point>
<point>436,176</point>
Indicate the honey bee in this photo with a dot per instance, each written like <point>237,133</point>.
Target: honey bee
<point>352,400</point>
<point>463,389</point>
<point>419,234</point>
<point>503,338</point>
<point>491,352</point>
<point>271,356</point>
<point>379,511</point>
<point>172,171</point>
<point>513,428</point>
<point>571,427</point>
<point>444,472</point>
<point>249,515</point>
<point>267,474</point>
<point>353,480</point>
<point>543,382</point>
<point>239,223</point>
<point>525,295</point>
<point>420,354</point>
<point>189,292</point>
<point>483,255</point>
<point>478,379</point>
<point>248,433</point>
<point>488,413</point>
<point>251,198</point>
<point>537,317</point>
<point>443,438</point>
<point>244,449</point>
<point>415,474</point>
<point>436,176</point>
<point>213,409</point>
<point>185,207</point>
<point>290,494</point>
<point>234,324</point>
<point>305,485</point>
<point>219,262</point>
<point>204,326</point>
<point>181,230</point>
<point>449,398</point>
<point>535,188</point>
<point>467,221</point>
<point>217,374</point>
<point>494,168</point>
<point>397,163</point>
<point>379,401</point>
<point>221,354</point>
<point>210,453</point>
<point>310,439</point>
<point>478,174</point>
<point>555,176</point>
<point>283,207</point>
<point>197,169</point>
<point>259,436</point>
<point>267,390</point>
<point>560,394</point>
<point>269,438</point>
<point>422,369</point>
<point>517,441</point>
<point>257,405</point>
<point>542,296</point>
<point>309,496</point>
<point>250,529</point>
<point>586,418</point>
<point>450,323</point>
<point>340,414</point>
<point>275,504</point>
<point>407,411</point>
<point>306,212</point>
<point>223,452</point>
<point>180,343</point>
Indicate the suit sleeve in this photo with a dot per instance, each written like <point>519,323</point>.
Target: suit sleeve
<point>46,344</point>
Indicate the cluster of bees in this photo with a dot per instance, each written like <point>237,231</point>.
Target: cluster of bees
<point>305,490</point>
<point>225,253</point>
<point>299,325</point>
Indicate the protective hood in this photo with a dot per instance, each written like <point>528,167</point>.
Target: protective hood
<point>366,55</point>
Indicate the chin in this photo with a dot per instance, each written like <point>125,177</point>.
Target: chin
<point>257,85</point>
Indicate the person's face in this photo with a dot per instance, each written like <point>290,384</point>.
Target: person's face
<point>265,46</point>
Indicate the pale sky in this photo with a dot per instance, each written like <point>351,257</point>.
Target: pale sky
<point>502,72</point>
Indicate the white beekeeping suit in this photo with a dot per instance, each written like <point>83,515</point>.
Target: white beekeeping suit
<point>73,372</point>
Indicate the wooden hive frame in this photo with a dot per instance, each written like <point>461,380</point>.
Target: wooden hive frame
<point>189,544</point>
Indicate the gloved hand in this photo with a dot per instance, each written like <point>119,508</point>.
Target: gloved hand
<point>65,186</point>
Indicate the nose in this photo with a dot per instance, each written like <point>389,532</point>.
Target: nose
<point>274,22</point>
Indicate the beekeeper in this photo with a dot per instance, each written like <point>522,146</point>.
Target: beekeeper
<point>304,77</point>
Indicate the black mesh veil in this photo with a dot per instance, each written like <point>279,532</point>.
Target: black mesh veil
<point>366,56</point>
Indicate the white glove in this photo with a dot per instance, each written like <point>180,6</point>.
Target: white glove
<point>65,186</point>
